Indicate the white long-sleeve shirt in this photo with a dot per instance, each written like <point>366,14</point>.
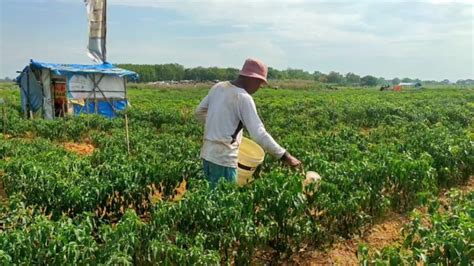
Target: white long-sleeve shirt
<point>221,111</point>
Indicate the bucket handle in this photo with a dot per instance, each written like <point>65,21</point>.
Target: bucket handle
<point>246,167</point>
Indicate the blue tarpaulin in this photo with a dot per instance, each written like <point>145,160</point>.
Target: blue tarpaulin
<point>103,108</point>
<point>68,69</point>
<point>31,91</point>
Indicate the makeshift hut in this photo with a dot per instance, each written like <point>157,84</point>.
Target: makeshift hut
<point>57,90</point>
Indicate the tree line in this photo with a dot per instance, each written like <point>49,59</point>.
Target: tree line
<point>177,72</point>
<point>167,72</point>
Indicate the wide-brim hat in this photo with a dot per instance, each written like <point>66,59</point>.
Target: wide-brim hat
<point>254,68</point>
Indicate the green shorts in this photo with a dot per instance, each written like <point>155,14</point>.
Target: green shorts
<point>214,172</point>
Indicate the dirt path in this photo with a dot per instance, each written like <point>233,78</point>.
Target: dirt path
<point>382,234</point>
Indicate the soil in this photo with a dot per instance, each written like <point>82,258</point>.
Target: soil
<point>365,131</point>
<point>469,186</point>
<point>380,235</point>
<point>79,148</point>
<point>29,135</point>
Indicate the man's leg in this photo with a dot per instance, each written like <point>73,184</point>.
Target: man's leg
<point>210,173</point>
<point>230,174</point>
<point>205,167</point>
<point>215,172</point>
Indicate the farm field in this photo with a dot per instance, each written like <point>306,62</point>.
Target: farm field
<point>72,194</point>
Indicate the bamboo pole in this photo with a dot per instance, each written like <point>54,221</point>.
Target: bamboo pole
<point>63,105</point>
<point>5,118</point>
<point>96,108</point>
<point>27,109</point>
<point>127,135</point>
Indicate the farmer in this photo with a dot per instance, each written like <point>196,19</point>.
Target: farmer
<point>227,108</point>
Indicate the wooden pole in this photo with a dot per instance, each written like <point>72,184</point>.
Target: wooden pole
<point>5,118</point>
<point>95,96</point>
<point>64,110</point>
<point>127,136</point>
<point>27,110</point>
<point>104,28</point>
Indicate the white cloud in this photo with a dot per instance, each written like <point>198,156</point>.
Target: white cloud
<point>366,37</point>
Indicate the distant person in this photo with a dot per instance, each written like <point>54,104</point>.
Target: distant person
<point>227,108</point>
<point>384,87</point>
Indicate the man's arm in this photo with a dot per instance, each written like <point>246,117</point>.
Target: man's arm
<point>255,127</point>
<point>201,111</point>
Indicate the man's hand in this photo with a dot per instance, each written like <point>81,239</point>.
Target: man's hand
<point>289,160</point>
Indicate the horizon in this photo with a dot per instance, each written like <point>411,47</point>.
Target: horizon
<point>428,40</point>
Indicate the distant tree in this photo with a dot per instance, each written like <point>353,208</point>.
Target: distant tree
<point>335,77</point>
<point>146,74</point>
<point>352,79</point>
<point>169,72</point>
<point>395,81</point>
<point>407,80</point>
<point>230,73</point>
<point>431,82</point>
<point>298,74</point>
<point>323,78</point>
<point>465,82</point>
<point>317,75</point>
<point>368,80</point>
<point>381,81</point>
<point>274,73</point>
<point>196,73</point>
<point>164,72</point>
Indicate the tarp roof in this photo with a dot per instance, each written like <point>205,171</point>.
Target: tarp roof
<point>65,69</point>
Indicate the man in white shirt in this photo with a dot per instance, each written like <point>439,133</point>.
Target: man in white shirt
<point>226,109</point>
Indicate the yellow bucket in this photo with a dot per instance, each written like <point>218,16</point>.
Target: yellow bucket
<point>250,156</point>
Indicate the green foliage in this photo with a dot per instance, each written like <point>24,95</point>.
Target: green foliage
<point>443,236</point>
<point>377,152</point>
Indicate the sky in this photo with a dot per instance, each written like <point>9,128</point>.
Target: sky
<point>430,40</point>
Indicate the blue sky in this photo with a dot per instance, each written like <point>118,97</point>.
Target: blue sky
<point>418,39</point>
